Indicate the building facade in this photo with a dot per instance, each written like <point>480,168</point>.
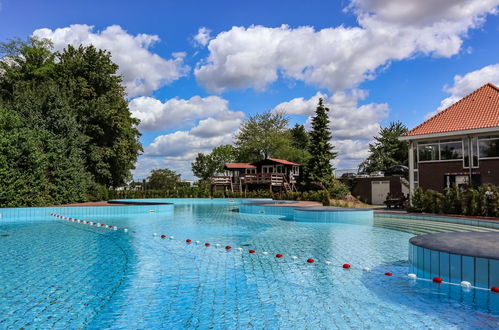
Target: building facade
<point>459,145</point>
<point>269,173</point>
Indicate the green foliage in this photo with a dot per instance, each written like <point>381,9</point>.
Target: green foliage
<point>300,139</point>
<point>483,201</point>
<point>205,166</point>
<point>266,135</point>
<point>387,150</point>
<point>338,190</point>
<point>56,116</point>
<point>163,179</point>
<point>98,98</point>
<point>319,172</point>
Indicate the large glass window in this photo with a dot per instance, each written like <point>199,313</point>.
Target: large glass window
<point>428,152</point>
<point>466,152</point>
<point>451,150</point>
<point>488,147</point>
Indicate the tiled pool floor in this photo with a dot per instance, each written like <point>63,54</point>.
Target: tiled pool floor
<point>56,274</point>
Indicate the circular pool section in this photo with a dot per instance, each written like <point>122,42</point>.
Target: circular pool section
<point>325,214</point>
<point>457,257</point>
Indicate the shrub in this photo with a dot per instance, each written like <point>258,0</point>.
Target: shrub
<point>418,200</point>
<point>338,190</point>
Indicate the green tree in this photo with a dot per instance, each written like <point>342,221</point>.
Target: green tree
<point>163,179</point>
<point>98,98</point>
<point>267,135</point>
<point>205,166</point>
<point>300,137</point>
<point>387,150</point>
<point>319,171</point>
<point>261,135</point>
<point>65,125</point>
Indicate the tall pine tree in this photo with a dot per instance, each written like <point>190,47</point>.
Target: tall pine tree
<point>319,171</point>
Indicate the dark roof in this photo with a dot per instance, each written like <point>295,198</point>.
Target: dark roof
<point>479,109</point>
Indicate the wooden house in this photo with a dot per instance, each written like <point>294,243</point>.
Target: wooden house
<point>270,173</point>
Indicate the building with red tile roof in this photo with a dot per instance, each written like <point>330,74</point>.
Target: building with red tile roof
<point>459,145</point>
<point>269,173</point>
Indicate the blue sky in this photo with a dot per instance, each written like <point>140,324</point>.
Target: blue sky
<point>194,70</point>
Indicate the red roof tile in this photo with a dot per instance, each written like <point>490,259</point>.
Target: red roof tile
<point>238,165</point>
<point>282,161</point>
<point>480,109</point>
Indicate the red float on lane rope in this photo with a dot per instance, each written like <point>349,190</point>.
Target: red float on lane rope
<point>206,244</point>
<point>228,247</point>
<point>310,260</point>
<point>388,274</point>
<point>495,289</point>
<point>346,266</point>
<point>437,279</point>
<point>163,236</point>
<point>278,255</point>
<point>188,240</point>
<point>251,251</point>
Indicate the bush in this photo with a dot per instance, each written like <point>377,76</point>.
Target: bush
<point>483,201</point>
<point>338,190</point>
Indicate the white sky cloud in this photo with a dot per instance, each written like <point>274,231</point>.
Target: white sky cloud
<point>353,126</point>
<point>463,85</point>
<point>203,36</point>
<point>178,113</point>
<point>143,71</point>
<point>341,57</point>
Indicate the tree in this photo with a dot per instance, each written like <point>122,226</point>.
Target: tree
<point>300,137</point>
<point>46,166</point>
<point>267,135</point>
<point>65,127</point>
<point>205,166</point>
<point>261,135</point>
<point>163,179</point>
<point>319,171</point>
<point>387,150</point>
<point>98,98</point>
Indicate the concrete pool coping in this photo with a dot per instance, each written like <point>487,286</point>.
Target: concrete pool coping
<point>473,244</point>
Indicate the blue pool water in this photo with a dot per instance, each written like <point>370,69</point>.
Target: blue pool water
<point>58,274</point>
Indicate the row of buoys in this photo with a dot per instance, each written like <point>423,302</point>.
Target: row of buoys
<point>436,279</point>
<point>96,224</point>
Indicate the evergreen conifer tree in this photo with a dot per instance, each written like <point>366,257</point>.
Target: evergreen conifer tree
<point>319,171</point>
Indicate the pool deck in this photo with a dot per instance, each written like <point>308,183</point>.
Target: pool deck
<point>403,212</point>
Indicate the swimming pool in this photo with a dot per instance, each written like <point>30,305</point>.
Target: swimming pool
<point>59,274</point>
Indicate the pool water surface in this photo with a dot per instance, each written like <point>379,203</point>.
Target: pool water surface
<point>59,274</point>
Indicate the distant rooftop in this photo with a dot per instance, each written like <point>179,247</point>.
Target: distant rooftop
<point>238,165</point>
<point>479,109</point>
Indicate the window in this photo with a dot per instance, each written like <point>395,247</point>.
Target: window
<point>268,169</point>
<point>488,147</point>
<point>428,152</point>
<point>296,170</point>
<point>279,169</point>
<point>451,150</point>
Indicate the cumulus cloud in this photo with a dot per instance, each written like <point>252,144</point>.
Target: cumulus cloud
<point>353,126</point>
<point>341,57</point>
<point>348,119</point>
<point>177,150</point>
<point>157,115</point>
<point>203,36</point>
<point>463,85</point>
<point>143,71</point>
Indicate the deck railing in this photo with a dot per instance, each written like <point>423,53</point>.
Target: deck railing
<point>221,180</point>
